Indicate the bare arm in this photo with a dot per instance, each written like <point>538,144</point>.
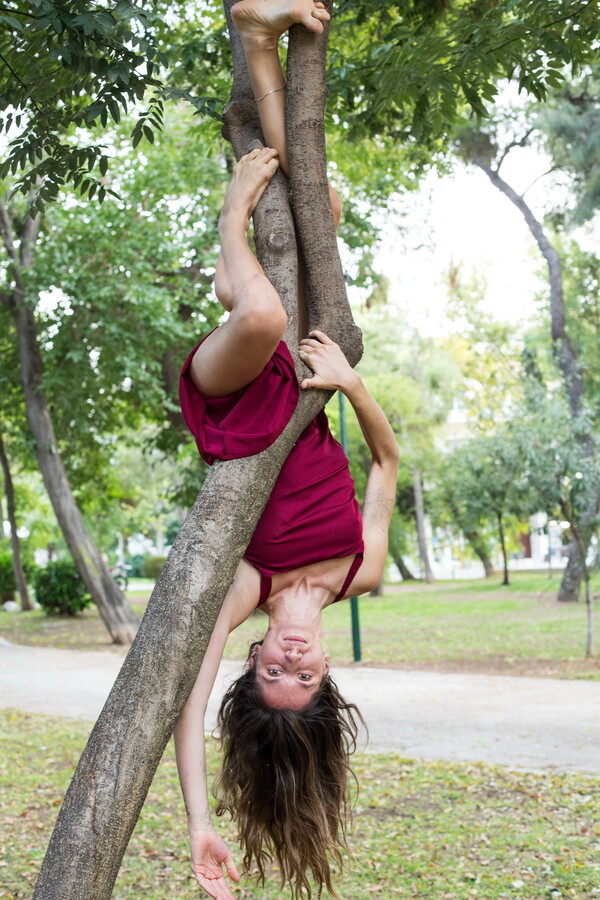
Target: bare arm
<point>332,371</point>
<point>208,851</point>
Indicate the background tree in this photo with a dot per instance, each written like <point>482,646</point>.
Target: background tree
<point>481,147</point>
<point>457,501</point>
<point>20,234</point>
<point>488,475</point>
<point>562,474</point>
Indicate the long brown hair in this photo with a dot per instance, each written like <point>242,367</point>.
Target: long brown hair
<point>285,780</point>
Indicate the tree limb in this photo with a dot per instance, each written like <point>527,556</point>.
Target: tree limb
<point>28,237</point>
<point>7,232</point>
<point>560,339</point>
<point>116,769</point>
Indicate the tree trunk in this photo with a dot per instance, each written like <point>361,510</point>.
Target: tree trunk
<point>405,572</point>
<point>503,545</point>
<point>589,598</point>
<point>309,195</point>
<point>570,583</point>
<point>377,590</point>
<point>420,518</point>
<point>15,545</point>
<point>109,787</point>
<point>481,551</point>
<point>114,608</point>
<point>567,361</point>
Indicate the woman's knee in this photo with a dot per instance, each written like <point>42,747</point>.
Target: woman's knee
<point>259,311</point>
<point>336,206</point>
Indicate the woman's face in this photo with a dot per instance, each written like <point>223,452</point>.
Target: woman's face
<point>290,665</point>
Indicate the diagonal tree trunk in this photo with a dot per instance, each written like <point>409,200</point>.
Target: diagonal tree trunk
<point>480,549</point>
<point>114,608</point>
<point>15,546</point>
<point>567,361</point>
<point>116,769</point>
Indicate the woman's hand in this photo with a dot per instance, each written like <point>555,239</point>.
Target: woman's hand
<point>209,853</point>
<point>331,368</point>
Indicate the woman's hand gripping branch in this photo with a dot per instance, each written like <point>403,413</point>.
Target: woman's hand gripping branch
<point>209,854</point>
<point>332,372</point>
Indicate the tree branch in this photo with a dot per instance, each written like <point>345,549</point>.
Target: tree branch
<point>22,83</point>
<point>116,769</point>
<point>539,178</point>
<point>28,237</point>
<point>7,232</point>
<point>328,306</point>
<point>560,339</point>
<point>521,143</point>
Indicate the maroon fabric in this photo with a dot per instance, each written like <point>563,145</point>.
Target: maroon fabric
<point>312,514</point>
<point>246,422</point>
<point>267,580</point>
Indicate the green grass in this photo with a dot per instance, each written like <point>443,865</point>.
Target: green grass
<point>474,626</point>
<point>433,831</point>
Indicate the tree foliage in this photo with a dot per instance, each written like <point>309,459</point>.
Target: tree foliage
<point>409,69</point>
<point>66,66</point>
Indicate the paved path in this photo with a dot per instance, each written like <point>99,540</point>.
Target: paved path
<point>534,723</point>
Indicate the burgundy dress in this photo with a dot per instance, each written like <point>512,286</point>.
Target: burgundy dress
<point>312,514</point>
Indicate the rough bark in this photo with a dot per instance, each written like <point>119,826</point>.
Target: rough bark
<point>109,787</point>
<point>420,520</point>
<point>567,361</point>
<point>15,545</point>
<point>325,284</point>
<point>114,609</point>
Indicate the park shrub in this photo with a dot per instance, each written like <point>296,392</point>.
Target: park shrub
<point>135,565</point>
<point>7,578</point>
<point>59,588</point>
<point>153,566</point>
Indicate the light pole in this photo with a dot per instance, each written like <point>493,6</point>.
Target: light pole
<point>353,600</point>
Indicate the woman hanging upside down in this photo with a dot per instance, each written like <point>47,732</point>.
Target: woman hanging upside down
<point>286,732</point>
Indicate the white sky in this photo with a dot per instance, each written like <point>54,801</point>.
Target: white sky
<point>463,220</point>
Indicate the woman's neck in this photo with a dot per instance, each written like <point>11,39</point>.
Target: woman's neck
<point>302,598</point>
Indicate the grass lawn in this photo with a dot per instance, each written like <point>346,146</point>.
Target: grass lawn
<point>437,831</point>
<point>451,626</point>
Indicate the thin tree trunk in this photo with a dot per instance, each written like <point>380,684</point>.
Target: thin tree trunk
<point>420,518</point>
<point>503,545</point>
<point>589,599</point>
<point>405,572</point>
<point>567,361</point>
<point>481,552</point>
<point>109,787</point>
<point>15,544</point>
<point>114,608</point>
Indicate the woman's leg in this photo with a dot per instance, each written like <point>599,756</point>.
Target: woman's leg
<point>238,350</point>
<point>260,24</point>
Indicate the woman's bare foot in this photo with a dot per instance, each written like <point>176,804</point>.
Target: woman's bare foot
<point>251,175</point>
<point>266,20</point>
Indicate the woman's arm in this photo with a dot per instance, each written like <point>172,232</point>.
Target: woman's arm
<point>332,371</point>
<point>208,851</point>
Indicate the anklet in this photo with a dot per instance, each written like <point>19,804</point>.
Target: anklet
<point>274,91</point>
